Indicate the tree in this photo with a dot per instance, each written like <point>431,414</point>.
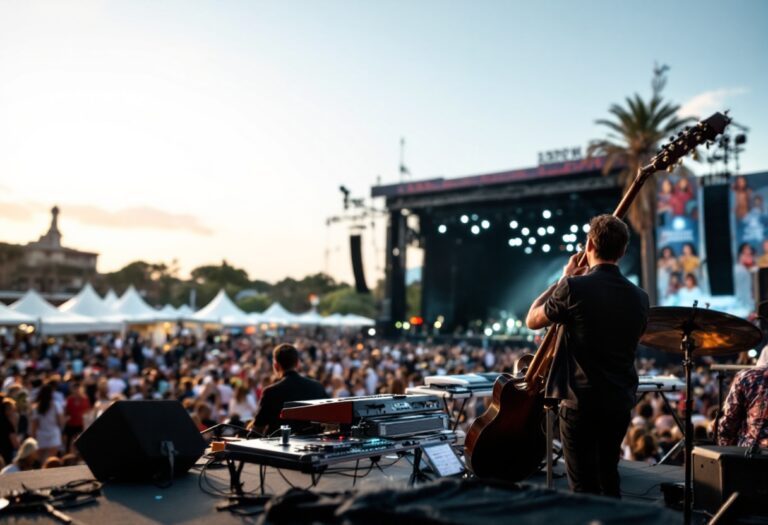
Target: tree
<point>254,303</point>
<point>347,301</point>
<point>633,138</point>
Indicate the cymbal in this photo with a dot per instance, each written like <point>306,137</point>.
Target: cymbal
<point>714,333</point>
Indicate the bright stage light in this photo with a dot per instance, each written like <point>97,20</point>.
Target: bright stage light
<point>574,228</point>
<point>525,231</point>
<point>513,224</point>
<point>510,323</point>
<point>541,231</point>
<point>442,228</point>
<point>438,325</point>
<point>406,325</point>
<point>475,229</point>
<point>569,247</point>
<point>488,332</point>
<point>585,228</point>
<point>371,332</point>
<point>752,353</point>
<point>496,327</point>
<point>546,214</point>
<point>528,250</point>
<point>678,223</point>
<point>550,230</point>
<point>545,248</point>
<point>464,219</point>
<point>485,224</point>
<point>474,216</point>
<point>531,240</point>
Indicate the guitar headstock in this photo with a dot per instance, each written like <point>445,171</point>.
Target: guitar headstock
<point>687,141</point>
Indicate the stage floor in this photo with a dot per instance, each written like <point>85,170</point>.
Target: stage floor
<point>186,503</point>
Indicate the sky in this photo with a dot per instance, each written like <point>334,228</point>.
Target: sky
<point>203,131</point>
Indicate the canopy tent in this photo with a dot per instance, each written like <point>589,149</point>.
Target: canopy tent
<point>275,314</point>
<point>168,314</point>
<point>336,319</point>
<point>87,302</point>
<point>358,320</point>
<point>132,309</point>
<point>221,310</point>
<point>185,311</point>
<point>110,298</point>
<point>51,321</point>
<point>310,318</point>
<point>10,317</point>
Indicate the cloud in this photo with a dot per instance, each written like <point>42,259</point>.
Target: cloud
<point>127,218</point>
<point>136,217</point>
<point>708,102</point>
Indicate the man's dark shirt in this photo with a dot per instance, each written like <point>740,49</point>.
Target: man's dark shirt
<point>292,387</point>
<point>604,316</point>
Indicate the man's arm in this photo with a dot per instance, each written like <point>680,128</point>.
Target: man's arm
<point>536,317</point>
<point>733,416</point>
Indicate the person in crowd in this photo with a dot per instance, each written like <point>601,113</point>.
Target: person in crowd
<point>666,266</point>
<point>46,423</point>
<point>291,387</point>
<point>754,222</point>
<point>742,195</point>
<point>745,412</point>
<point>26,458</point>
<point>9,437</point>
<point>690,292</point>
<point>243,403</point>
<point>742,274</point>
<point>75,409</point>
<point>604,315</point>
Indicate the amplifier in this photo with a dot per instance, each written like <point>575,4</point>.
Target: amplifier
<point>349,410</point>
<point>401,426</point>
<point>720,471</point>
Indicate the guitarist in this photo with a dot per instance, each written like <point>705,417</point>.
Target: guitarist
<point>594,374</point>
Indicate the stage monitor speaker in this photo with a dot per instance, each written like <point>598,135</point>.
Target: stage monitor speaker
<point>719,257</point>
<point>133,440</point>
<point>355,249</point>
<point>720,471</point>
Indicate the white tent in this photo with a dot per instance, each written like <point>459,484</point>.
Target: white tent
<point>276,314</point>
<point>358,320</point>
<point>221,310</point>
<point>168,314</point>
<point>110,298</point>
<point>336,319</point>
<point>87,302</point>
<point>51,321</point>
<point>10,317</point>
<point>185,311</point>
<point>132,309</point>
<point>310,318</point>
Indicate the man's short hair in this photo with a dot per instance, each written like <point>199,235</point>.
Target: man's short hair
<point>286,356</point>
<point>609,236</point>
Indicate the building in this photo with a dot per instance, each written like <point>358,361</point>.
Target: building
<point>45,265</point>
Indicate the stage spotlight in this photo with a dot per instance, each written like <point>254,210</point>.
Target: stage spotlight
<point>496,327</point>
<point>474,216</point>
<point>475,229</point>
<point>566,237</point>
<point>531,240</point>
<point>752,353</point>
<point>569,247</point>
<point>545,248</point>
<point>438,325</point>
<point>464,219</point>
<point>513,224</point>
<point>406,325</point>
<point>371,332</point>
<point>512,242</point>
<point>528,250</point>
<point>525,231</point>
<point>546,214</point>
<point>485,224</point>
<point>442,228</point>
<point>585,228</point>
<point>574,228</point>
<point>541,231</point>
<point>488,332</point>
<point>510,323</point>
<point>550,230</point>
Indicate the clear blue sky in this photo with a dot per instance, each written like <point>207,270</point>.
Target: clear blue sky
<point>210,130</point>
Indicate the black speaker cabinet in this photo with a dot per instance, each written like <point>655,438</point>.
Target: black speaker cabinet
<point>131,441</point>
<point>720,471</point>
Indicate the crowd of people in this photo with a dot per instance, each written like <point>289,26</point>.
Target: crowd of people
<point>52,389</point>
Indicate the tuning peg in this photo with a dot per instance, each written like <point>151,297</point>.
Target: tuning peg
<point>670,169</point>
<point>672,138</point>
<point>672,147</point>
<point>686,128</point>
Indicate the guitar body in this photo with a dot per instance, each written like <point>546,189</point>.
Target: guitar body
<point>507,442</point>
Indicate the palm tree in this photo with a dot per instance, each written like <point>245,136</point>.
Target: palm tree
<point>633,138</point>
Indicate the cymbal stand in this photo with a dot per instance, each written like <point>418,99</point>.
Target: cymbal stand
<point>687,345</point>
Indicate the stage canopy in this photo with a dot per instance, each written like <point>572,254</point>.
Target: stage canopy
<point>51,321</point>
<point>221,310</point>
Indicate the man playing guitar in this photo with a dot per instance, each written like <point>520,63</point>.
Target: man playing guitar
<point>594,375</point>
